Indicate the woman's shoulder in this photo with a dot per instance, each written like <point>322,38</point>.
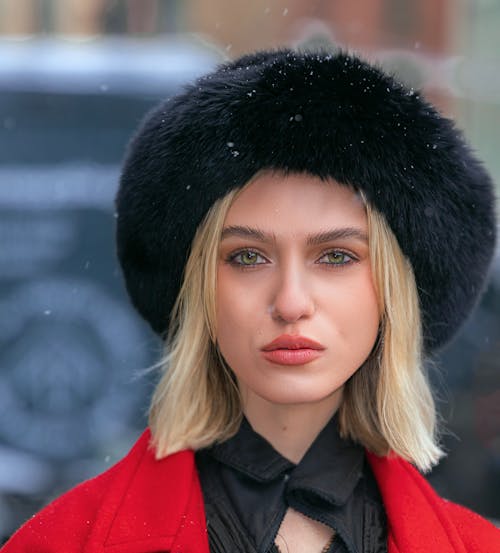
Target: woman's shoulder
<point>68,520</point>
<point>418,515</point>
<point>64,524</point>
<point>474,530</point>
<point>117,507</point>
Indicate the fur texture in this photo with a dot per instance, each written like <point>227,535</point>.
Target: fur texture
<point>328,115</point>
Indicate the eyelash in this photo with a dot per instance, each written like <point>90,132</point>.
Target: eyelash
<point>350,256</point>
<point>231,259</point>
<point>233,256</point>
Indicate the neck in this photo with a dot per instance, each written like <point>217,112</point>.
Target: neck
<point>290,428</point>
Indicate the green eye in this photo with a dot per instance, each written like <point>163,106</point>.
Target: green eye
<point>247,258</point>
<point>336,257</point>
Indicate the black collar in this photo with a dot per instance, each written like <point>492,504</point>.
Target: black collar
<point>330,469</point>
<point>248,486</point>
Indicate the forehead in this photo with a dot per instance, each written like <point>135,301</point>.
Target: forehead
<point>296,202</point>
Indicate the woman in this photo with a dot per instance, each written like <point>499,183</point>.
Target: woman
<point>294,225</point>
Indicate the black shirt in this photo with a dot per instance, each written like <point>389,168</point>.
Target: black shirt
<point>248,486</point>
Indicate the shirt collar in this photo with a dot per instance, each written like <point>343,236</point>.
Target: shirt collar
<point>330,469</point>
<point>252,455</point>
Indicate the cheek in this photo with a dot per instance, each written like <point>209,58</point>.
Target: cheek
<point>235,314</point>
<point>357,312</point>
<point>231,301</point>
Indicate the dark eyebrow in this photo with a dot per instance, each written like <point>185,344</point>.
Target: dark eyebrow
<point>312,240</point>
<point>246,232</point>
<point>337,234</point>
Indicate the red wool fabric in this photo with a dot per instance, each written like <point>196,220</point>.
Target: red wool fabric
<point>141,505</point>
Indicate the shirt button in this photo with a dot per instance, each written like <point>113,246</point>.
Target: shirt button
<point>286,477</point>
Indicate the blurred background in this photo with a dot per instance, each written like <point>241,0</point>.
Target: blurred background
<point>76,77</point>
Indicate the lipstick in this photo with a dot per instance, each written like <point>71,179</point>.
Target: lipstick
<point>292,350</point>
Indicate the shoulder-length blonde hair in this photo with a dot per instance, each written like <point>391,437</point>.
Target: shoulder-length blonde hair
<point>387,404</point>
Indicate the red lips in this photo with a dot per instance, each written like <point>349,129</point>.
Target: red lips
<point>292,350</point>
<point>286,341</point>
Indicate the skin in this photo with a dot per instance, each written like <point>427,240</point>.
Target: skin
<point>279,282</point>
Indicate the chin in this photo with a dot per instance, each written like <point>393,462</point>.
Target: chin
<point>301,396</point>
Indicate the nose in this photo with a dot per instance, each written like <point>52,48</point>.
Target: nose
<point>292,299</point>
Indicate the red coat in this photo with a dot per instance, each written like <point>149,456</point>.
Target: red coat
<point>141,505</point>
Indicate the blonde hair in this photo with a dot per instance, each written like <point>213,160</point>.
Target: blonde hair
<point>387,404</point>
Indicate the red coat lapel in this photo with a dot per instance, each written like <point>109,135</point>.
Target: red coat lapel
<point>155,506</point>
<point>417,517</point>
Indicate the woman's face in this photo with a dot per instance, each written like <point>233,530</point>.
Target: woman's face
<point>297,312</point>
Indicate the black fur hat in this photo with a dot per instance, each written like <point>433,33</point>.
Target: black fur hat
<point>327,115</point>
